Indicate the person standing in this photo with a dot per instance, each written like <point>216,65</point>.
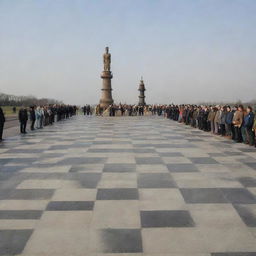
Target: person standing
<point>217,120</point>
<point>228,122</point>
<point>248,125</point>
<point>238,122</point>
<point>223,115</point>
<point>254,130</point>
<point>84,109</point>
<point>2,121</point>
<point>88,110</point>
<point>32,115</point>
<point>23,118</point>
<point>38,116</point>
<point>41,120</point>
<point>211,117</point>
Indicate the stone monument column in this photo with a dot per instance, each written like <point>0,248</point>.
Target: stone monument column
<point>106,94</point>
<point>142,93</point>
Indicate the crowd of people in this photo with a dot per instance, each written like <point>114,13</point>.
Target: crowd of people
<point>123,110</point>
<point>237,123</point>
<point>39,116</point>
<point>87,110</point>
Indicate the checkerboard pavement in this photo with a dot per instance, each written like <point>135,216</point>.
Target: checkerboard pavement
<point>126,186</point>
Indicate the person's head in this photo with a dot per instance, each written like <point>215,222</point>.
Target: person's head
<point>107,49</point>
<point>241,108</point>
<point>249,109</point>
<point>228,108</point>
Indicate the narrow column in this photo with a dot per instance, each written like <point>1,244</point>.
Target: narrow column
<point>142,93</point>
<point>106,94</point>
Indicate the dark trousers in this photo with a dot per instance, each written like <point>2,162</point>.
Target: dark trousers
<point>32,126</point>
<point>250,136</point>
<point>233,132</point>
<point>238,134</point>
<point>222,129</point>
<point>1,130</point>
<point>23,126</point>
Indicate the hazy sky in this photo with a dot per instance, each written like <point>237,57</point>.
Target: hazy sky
<point>186,50</point>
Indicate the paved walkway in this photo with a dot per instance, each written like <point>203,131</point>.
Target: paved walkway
<point>140,186</point>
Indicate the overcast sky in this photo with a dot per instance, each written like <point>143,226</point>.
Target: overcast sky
<point>187,51</point>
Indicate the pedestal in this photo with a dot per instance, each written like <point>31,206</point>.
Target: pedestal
<point>106,94</point>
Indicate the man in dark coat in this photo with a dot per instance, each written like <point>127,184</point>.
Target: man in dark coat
<point>23,118</point>
<point>32,117</point>
<point>2,120</point>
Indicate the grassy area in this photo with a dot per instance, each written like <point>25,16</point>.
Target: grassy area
<point>9,112</point>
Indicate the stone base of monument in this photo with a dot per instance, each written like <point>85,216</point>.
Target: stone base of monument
<point>106,96</point>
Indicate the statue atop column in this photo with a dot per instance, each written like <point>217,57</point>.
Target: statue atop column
<point>107,59</point>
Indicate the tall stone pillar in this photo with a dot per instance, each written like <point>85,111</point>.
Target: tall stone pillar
<point>106,94</point>
<point>142,93</point>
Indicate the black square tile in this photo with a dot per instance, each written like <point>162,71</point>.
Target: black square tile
<point>143,145</point>
<point>144,150</point>
<point>247,149</point>
<point>238,196</point>
<point>155,180</point>
<point>248,181</point>
<point>203,196</point>
<point>23,160</point>
<point>20,214</point>
<point>30,194</point>
<point>121,240</point>
<point>12,169</point>
<point>228,153</point>
<point>149,160</point>
<point>82,160</point>
<point>4,161</point>
<point>252,165</point>
<point>153,219</point>
<point>203,160</point>
<point>70,206</point>
<point>119,168</point>
<point>248,217</point>
<point>171,154</point>
<point>12,242</point>
<point>215,154</point>
<point>85,180</point>
<point>182,168</point>
<point>118,194</point>
<point>185,145</point>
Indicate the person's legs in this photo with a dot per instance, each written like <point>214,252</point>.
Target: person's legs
<point>239,133</point>
<point>1,131</point>
<point>250,136</point>
<point>244,135</point>
<point>21,127</point>
<point>223,130</point>
<point>216,128</point>
<point>32,126</point>
<point>233,133</point>
<point>24,127</point>
<point>41,122</point>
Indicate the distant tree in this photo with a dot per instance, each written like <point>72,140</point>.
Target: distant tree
<point>12,100</point>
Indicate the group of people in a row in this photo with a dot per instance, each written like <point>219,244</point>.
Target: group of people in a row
<point>123,110</point>
<point>87,110</point>
<point>39,116</point>
<point>237,122</point>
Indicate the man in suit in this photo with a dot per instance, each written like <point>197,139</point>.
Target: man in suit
<point>2,120</point>
<point>23,118</point>
<point>32,117</point>
<point>238,122</point>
